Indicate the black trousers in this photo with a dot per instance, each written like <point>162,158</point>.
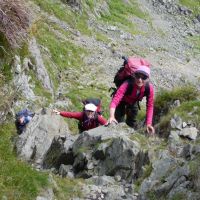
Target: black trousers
<point>130,111</point>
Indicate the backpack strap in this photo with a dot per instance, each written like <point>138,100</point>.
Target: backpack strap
<point>147,90</point>
<point>85,118</point>
<point>130,86</point>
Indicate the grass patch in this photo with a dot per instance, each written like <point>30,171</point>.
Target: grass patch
<point>6,54</point>
<point>196,41</point>
<point>193,5</point>
<point>195,172</point>
<point>64,54</point>
<point>67,188</point>
<point>17,179</point>
<point>102,38</point>
<point>120,13</point>
<point>179,196</point>
<point>60,54</point>
<point>146,173</point>
<point>6,71</point>
<point>141,139</point>
<point>90,3</point>
<point>38,89</point>
<point>76,20</point>
<point>188,111</point>
<point>165,98</point>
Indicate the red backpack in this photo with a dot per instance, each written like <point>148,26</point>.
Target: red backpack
<point>125,74</point>
<point>129,67</point>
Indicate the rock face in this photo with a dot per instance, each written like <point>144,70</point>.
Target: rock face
<point>41,70</point>
<point>33,144</point>
<point>107,156</point>
<point>101,151</point>
<point>109,153</point>
<point>112,159</point>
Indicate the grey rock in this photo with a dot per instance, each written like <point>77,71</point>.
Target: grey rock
<point>33,144</point>
<point>121,159</point>
<point>160,169</point>
<point>176,122</point>
<point>47,195</point>
<point>66,170</point>
<point>41,71</point>
<point>190,132</point>
<point>102,180</point>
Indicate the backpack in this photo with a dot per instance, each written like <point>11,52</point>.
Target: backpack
<point>25,113</point>
<point>96,102</point>
<point>130,65</point>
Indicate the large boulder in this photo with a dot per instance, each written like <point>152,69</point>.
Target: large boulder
<point>108,151</point>
<point>33,144</point>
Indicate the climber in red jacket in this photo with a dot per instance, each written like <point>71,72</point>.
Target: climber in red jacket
<point>88,118</point>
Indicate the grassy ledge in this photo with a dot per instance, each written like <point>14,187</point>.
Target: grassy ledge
<point>17,179</point>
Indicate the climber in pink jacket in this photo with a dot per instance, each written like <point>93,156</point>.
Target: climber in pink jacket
<point>125,100</point>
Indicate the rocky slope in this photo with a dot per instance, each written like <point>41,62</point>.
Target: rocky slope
<point>73,51</point>
<point>162,36</point>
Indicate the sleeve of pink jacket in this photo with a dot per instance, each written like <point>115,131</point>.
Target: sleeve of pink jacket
<point>119,95</point>
<point>150,105</point>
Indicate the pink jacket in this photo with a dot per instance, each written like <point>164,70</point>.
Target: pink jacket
<point>132,98</point>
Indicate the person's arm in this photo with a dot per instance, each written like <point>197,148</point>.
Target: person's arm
<point>112,116</point>
<point>116,100</point>
<point>75,115</point>
<point>149,111</point>
<point>102,120</point>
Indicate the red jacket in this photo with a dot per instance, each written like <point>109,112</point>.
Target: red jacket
<point>132,98</point>
<point>81,117</point>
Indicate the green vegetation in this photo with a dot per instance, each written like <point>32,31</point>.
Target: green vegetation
<point>76,20</point>
<point>194,5</point>
<point>102,38</point>
<point>141,139</point>
<point>194,167</point>
<point>188,109</point>
<point>67,188</point>
<point>195,172</point>
<point>90,3</point>
<point>14,22</point>
<point>196,41</point>
<point>146,173</point>
<point>141,113</point>
<point>120,12</point>
<point>60,54</point>
<point>5,59</point>
<point>165,99</point>
<point>18,180</point>
<point>179,196</point>
<point>152,196</point>
<point>63,53</point>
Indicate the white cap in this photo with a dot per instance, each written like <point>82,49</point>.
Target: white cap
<point>90,107</point>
